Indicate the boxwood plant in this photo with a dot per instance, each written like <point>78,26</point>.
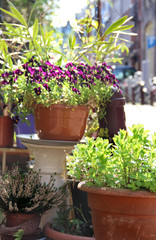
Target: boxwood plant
<point>128,163</point>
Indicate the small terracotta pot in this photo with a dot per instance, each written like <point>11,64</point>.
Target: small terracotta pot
<point>49,232</point>
<point>122,214</point>
<point>15,219</point>
<point>60,122</point>
<point>6,131</point>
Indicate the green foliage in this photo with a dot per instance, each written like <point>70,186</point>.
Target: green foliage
<point>19,234</point>
<point>66,222</point>
<point>129,163</point>
<point>35,41</point>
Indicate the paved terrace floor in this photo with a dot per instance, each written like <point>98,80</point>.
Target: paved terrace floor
<point>143,114</point>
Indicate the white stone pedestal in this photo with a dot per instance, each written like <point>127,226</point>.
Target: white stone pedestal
<point>49,156</point>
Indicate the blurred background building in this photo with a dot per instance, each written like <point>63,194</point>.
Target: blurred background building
<point>143,47</point>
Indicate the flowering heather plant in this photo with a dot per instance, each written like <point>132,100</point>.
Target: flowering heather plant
<point>25,193</point>
<point>37,82</point>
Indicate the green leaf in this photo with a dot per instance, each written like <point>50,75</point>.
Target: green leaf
<point>87,60</point>
<point>17,14</point>
<point>115,25</point>
<point>70,42</point>
<point>7,12</point>
<point>126,27</point>
<point>59,62</point>
<point>35,29</point>
<point>42,33</point>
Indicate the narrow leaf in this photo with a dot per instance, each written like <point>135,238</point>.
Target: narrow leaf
<point>7,12</point>
<point>17,14</point>
<point>87,60</point>
<point>126,27</point>
<point>35,29</point>
<point>115,25</point>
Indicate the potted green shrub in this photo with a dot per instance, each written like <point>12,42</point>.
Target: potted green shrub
<point>120,181</point>
<point>51,78</point>
<point>66,226</point>
<point>24,198</point>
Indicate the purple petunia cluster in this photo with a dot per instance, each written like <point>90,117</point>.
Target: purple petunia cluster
<point>41,78</point>
<point>42,73</point>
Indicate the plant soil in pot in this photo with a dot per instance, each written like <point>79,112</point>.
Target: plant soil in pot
<point>61,122</point>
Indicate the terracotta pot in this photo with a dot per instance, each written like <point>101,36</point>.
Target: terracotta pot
<point>122,214</point>
<point>29,223</point>
<point>60,122</point>
<point>49,232</point>
<point>6,131</point>
<point>115,115</point>
<point>15,219</point>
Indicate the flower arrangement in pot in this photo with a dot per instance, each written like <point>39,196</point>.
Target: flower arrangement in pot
<point>24,198</point>
<point>120,181</point>
<point>38,85</point>
<point>47,77</point>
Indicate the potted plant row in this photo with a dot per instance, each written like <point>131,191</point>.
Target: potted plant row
<point>119,178</point>
<point>23,200</point>
<point>45,78</point>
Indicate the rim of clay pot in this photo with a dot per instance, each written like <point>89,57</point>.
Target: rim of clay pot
<point>51,233</point>
<point>116,191</point>
<point>40,106</point>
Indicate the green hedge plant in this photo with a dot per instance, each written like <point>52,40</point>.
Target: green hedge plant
<point>129,163</point>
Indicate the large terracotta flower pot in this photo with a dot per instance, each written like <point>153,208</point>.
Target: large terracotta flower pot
<point>6,131</point>
<point>61,122</point>
<point>119,214</point>
<point>52,234</point>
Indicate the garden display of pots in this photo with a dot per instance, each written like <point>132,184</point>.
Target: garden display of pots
<point>52,234</point>
<point>122,214</point>
<point>60,122</point>
<point>6,131</point>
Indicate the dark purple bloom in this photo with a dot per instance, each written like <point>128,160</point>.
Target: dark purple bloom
<point>37,90</point>
<point>15,119</point>
<point>45,85</point>
<point>76,90</point>
<point>4,82</point>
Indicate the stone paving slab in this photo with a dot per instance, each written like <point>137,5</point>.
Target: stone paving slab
<point>141,114</point>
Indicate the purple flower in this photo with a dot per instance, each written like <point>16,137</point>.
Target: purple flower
<point>4,82</point>
<point>15,119</point>
<point>37,90</point>
<point>76,90</point>
<point>45,85</point>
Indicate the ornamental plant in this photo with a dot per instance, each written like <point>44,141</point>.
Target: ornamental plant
<point>129,163</point>
<point>38,82</point>
<point>24,192</point>
<point>37,70</point>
